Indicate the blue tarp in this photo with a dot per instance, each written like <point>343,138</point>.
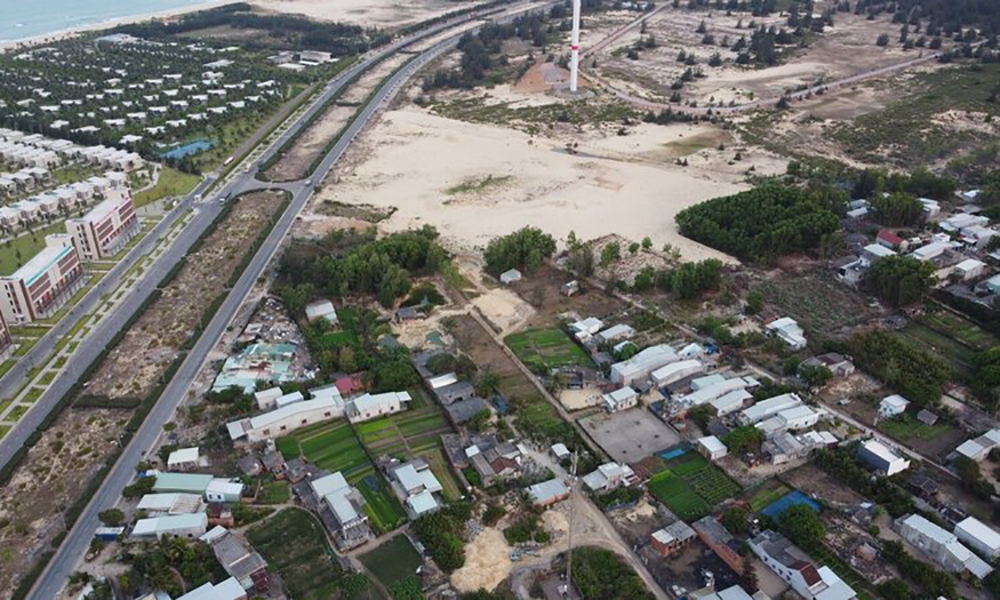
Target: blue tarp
<point>789,500</point>
<point>674,452</point>
<point>188,149</point>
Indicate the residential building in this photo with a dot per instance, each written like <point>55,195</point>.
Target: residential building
<point>787,330</point>
<point>969,268</point>
<point>881,458</point>
<point>586,328</point>
<point>892,406</point>
<point>620,399</point>
<point>674,372</point>
<point>340,507</point>
<point>731,402</point>
<point>784,447</point>
<point>766,409</point>
<point>463,411</point>
<point>839,365</point>
<point>284,420</point>
<point>978,448</point>
<point>493,461</point>
<point>615,333</point>
<point>734,592</point>
<point>711,447</point>
<point>44,284</point>
<point>609,476</point>
<point>560,451</point>
<point>183,526</point>
<point>941,546</point>
<point>873,252</point>
<point>548,492</point>
<point>230,589</point>
<point>890,239</point>
<point>266,398</point>
<point>6,341</point>
<point>980,537</point>
<point>672,538</point>
<point>183,459</point>
<point>107,228</point>
<point>791,419</point>
<point>371,406</point>
<point>246,567</point>
<point>713,391</point>
<point>796,568</point>
<point>417,487</point>
<point>321,309</point>
<point>453,391</point>
<point>224,490</point>
<point>931,250</point>
<point>720,541</point>
<point>638,368</point>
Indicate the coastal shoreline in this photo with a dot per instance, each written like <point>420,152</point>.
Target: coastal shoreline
<point>56,36</point>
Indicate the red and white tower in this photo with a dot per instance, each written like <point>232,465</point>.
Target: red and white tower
<point>575,41</point>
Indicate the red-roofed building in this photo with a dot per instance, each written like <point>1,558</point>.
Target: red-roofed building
<point>348,384</point>
<point>890,239</point>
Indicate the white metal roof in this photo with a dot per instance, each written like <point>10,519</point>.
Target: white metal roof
<point>158,525</point>
<point>712,444</point>
<point>183,455</point>
<point>974,529</point>
<point>290,410</point>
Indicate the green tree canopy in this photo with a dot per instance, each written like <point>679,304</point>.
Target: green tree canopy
<point>525,249</point>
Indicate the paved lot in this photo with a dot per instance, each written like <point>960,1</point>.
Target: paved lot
<point>630,435</point>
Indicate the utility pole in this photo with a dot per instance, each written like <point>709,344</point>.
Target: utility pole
<point>569,551</point>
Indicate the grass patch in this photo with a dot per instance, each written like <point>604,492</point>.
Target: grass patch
<point>473,185</point>
<point>3,430</point>
<point>47,378</point>
<point>766,494</point>
<point>945,348</point>
<point>273,492</point>
<point>547,349</point>
<point>33,395</point>
<point>171,182</point>
<point>905,428</point>
<point>393,561</point>
<point>17,412</point>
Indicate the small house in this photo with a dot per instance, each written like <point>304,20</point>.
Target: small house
<point>509,277</point>
<point>321,309</point>
<point>712,447</point>
<point>548,492</point>
<point>892,406</point>
<point>671,538</point>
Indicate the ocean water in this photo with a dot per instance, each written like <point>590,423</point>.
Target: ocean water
<point>21,19</point>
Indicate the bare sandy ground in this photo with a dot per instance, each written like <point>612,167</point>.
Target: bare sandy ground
<point>427,166</point>
<point>580,399</point>
<point>487,562</point>
<point>368,13</point>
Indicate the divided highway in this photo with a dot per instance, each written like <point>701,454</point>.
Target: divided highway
<point>78,538</point>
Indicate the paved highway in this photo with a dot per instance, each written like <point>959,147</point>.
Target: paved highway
<point>78,538</point>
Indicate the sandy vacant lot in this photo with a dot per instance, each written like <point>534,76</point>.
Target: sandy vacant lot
<point>368,13</point>
<point>474,182</point>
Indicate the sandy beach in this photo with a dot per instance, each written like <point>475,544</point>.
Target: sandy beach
<point>474,182</point>
<point>367,13</point>
<point>49,38</point>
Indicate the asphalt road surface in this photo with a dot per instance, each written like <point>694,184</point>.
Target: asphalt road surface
<point>73,547</point>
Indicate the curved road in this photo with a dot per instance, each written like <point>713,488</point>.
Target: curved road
<point>78,538</point>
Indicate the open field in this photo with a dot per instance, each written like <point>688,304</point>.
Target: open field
<point>145,352</point>
<point>946,348</point>
<point>393,561</point>
<point>293,543</point>
<point>609,185</point>
<point>542,350</point>
<point>906,428</point>
<point>691,486</point>
<point>962,330</point>
<point>820,303</point>
<point>333,446</point>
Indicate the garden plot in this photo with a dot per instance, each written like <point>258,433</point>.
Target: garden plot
<point>542,350</point>
<point>822,305</point>
<point>692,486</point>
<point>333,446</point>
<point>630,435</point>
<point>393,561</point>
<point>294,544</point>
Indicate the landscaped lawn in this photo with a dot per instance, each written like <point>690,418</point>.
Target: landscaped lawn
<point>546,349</point>
<point>393,561</point>
<point>27,246</point>
<point>171,182</point>
<point>293,543</point>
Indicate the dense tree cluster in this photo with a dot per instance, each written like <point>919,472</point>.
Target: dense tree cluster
<point>159,565</point>
<point>744,439</point>
<point>760,224</point>
<point>601,574</point>
<point>360,264</point>
<point>900,280</point>
<point>871,183</point>
<point>692,279</point>
<point>483,51</point>
<point>916,374</point>
<point>438,532</point>
<point>934,582</point>
<point>986,375</point>
<point>942,17</point>
<point>340,39</point>
<point>525,249</point>
<point>898,209</point>
<point>840,463</point>
<point>803,526</point>
<point>972,478</point>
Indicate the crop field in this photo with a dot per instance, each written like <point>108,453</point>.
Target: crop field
<point>333,446</point>
<point>393,561</point>
<point>947,349</point>
<point>415,432</point>
<point>766,494</point>
<point>547,349</point>
<point>691,486</point>
<point>293,543</point>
